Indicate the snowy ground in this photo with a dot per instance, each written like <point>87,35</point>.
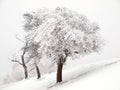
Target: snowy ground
<point>104,75</point>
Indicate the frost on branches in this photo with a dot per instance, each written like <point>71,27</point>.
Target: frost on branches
<point>62,33</point>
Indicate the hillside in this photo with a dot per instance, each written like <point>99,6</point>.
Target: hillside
<point>94,76</point>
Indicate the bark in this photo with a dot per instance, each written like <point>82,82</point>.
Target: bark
<point>60,66</point>
<point>59,72</point>
<point>24,65</point>
<point>38,71</point>
<point>25,72</point>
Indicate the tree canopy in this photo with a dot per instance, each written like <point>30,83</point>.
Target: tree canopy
<point>62,32</point>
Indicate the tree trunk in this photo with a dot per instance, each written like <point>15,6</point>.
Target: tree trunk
<point>38,71</point>
<point>25,71</point>
<point>24,65</point>
<point>59,72</point>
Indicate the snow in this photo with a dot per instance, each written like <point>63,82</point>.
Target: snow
<point>104,78</point>
<point>102,75</point>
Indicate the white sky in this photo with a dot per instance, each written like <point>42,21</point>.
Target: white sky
<point>105,12</point>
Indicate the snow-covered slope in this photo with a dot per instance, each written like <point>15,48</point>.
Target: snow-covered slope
<point>104,75</point>
<point>106,78</point>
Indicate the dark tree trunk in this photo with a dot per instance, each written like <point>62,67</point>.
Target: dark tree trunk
<point>38,71</point>
<point>60,66</point>
<point>59,72</point>
<point>25,72</point>
<point>24,66</point>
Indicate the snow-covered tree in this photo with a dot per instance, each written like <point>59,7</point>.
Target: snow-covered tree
<point>34,56</point>
<point>62,33</point>
<point>28,54</point>
<point>21,59</point>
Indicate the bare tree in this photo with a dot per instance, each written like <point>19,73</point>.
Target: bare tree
<point>62,33</point>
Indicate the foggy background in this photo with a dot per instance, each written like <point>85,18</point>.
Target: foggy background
<point>105,12</point>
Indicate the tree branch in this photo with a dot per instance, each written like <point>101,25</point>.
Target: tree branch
<point>17,62</point>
